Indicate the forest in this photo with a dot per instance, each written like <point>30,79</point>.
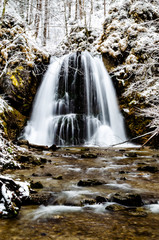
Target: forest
<point>79,119</point>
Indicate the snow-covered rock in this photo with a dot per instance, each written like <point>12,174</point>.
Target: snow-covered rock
<point>129,46</point>
<point>12,196</point>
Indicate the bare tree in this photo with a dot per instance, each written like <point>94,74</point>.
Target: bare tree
<point>38,16</point>
<point>104,7</point>
<point>46,19</point>
<point>65,16</point>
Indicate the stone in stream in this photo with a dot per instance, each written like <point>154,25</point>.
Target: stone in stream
<point>127,199</point>
<point>22,142</point>
<point>37,185</point>
<point>89,155</point>
<point>131,154</point>
<point>151,169</point>
<point>40,198</point>
<point>135,212</point>
<point>58,177</point>
<point>89,183</point>
<point>100,199</point>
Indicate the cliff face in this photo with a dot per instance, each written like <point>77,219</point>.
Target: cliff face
<point>22,65</point>
<point>129,46</point>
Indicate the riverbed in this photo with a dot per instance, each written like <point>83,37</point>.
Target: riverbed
<point>74,199</point>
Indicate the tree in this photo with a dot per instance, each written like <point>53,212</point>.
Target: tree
<point>4,9</point>
<point>104,7</point>
<point>38,16</point>
<point>46,21</point>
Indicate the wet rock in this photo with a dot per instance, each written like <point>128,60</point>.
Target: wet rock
<point>40,198</point>
<point>27,158</point>
<point>35,175</point>
<point>127,199</point>
<point>135,212</point>
<point>54,147</point>
<point>123,178</point>
<point>89,155</point>
<point>23,158</point>
<point>115,208</point>
<point>151,169</point>
<point>122,172</point>
<point>39,147</point>
<point>100,199</point>
<point>22,142</point>
<point>58,177</point>
<point>43,160</point>
<point>48,174</point>
<point>37,185</point>
<point>10,165</point>
<point>88,202</point>
<point>89,183</point>
<point>131,154</point>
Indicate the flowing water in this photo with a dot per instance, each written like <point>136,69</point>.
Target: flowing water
<point>76,104</point>
<point>71,212</point>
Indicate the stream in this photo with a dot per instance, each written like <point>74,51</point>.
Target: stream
<point>65,209</point>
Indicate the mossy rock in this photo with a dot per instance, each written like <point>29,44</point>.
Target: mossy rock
<point>12,123</point>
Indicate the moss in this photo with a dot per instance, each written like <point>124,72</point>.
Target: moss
<point>14,81</point>
<point>12,123</point>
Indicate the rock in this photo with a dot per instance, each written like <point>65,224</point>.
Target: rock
<point>12,196</point>
<point>48,174</point>
<point>10,165</point>
<point>58,177</point>
<point>31,159</point>
<point>37,185</point>
<point>100,199</point>
<point>23,158</point>
<point>54,147</point>
<point>135,212</point>
<point>127,199</point>
<point>43,160</point>
<point>89,155</point>
<point>122,172</point>
<point>131,154</point>
<point>40,198</point>
<point>89,183</point>
<point>151,169</point>
<point>22,142</point>
<point>39,147</point>
<point>88,202</point>
<point>35,175</point>
<point>115,208</point>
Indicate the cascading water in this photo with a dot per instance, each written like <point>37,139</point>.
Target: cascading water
<point>76,104</point>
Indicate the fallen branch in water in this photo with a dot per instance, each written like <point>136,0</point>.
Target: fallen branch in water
<point>131,139</point>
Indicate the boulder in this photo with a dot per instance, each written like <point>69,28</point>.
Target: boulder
<point>127,199</point>
<point>151,169</point>
<point>89,183</point>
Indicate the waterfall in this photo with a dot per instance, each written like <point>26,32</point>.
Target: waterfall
<point>76,104</point>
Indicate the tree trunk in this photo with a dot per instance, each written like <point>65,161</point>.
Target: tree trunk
<point>104,8</point>
<point>28,10</point>
<point>91,12</point>
<point>31,17</point>
<point>65,16</point>
<point>80,9</point>
<point>38,16</point>
<point>69,8</point>
<point>46,19</point>
<point>76,8</point>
